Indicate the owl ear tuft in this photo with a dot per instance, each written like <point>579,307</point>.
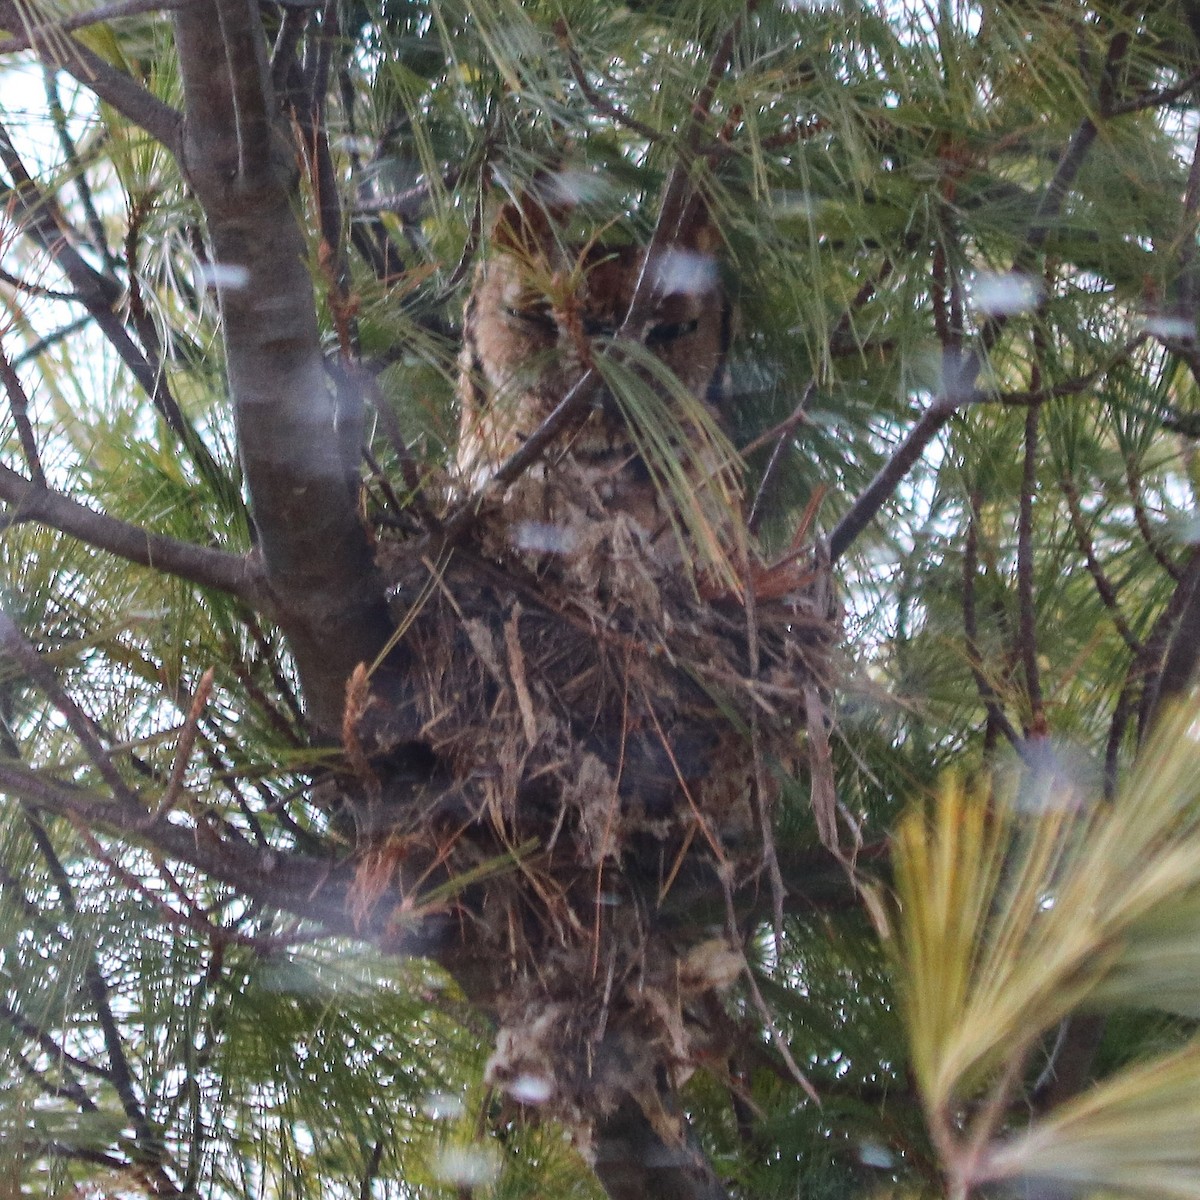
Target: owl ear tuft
<point>526,224</point>
<point>697,231</point>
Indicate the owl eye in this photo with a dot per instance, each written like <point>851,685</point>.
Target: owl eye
<point>540,315</point>
<point>670,331</point>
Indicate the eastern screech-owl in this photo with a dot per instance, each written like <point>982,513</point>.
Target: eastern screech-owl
<point>536,311</point>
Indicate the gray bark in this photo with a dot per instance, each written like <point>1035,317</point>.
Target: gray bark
<point>303,494</point>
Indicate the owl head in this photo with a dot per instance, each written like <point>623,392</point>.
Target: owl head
<point>653,321</point>
<point>542,305</point>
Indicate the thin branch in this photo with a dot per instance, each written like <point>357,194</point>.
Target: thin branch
<point>68,1089</point>
<point>225,772</point>
<point>235,574</point>
<point>957,389</point>
<point>195,919</point>
<point>996,716</point>
<point>36,289</point>
<point>599,103</point>
<point>309,887</point>
<point>183,748</point>
<point>76,168</point>
<point>284,690</point>
<point>49,1046</point>
<point>1074,386</point>
<point>350,376</point>
<point>18,404</point>
<point>1153,542</point>
<point>862,512</point>
<point>18,648</point>
<point>151,1152</point>
<point>785,429</point>
<point>716,72</point>
<point>1154,97</point>
<point>50,340</point>
<point>407,203</point>
<point>102,12</point>
<point>1104,586</point>
<point>114,87</point>
<point>1027,621</point>
<point>43,222</point>
<point>782,433</point>
<point>84,1154</point>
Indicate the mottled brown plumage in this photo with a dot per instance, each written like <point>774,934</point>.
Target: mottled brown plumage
<point>537,312</point>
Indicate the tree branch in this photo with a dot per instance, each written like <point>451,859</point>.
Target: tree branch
<point>114,87</point>
<point>308,887</point>
<point>42,221</point>
<point>150,1153</point>
<point>958,388</point>
<point>1104,586</point>
<point>236,574</point>
<point>102,12</point>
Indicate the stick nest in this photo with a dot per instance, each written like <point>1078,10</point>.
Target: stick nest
<point>610,743</point>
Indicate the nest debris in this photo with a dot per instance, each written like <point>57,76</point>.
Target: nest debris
<point>593,715</point>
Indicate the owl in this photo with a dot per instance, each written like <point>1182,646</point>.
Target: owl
<point>539,312</point>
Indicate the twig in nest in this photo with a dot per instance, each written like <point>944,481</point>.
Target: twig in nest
<point>710,835</point>
<point>358,700</point>
<point>516,671</point>
<point>770,858</point>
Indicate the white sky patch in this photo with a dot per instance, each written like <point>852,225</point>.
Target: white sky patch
<point>222,276</point>
<point>686,272</point>
<point>443,1106</point>
<point>572,186</point>
<point>530,1089</point>
<point>467,1166</point>
<point>542,537</point>
<point>1170,328</point>
<point>1005,294</point>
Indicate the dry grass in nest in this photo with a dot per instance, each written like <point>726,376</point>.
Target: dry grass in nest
<point>604,732</point>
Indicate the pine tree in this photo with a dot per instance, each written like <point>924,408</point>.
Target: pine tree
<point>343,853</point>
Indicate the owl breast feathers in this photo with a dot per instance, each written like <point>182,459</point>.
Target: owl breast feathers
<point>537,314</point>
